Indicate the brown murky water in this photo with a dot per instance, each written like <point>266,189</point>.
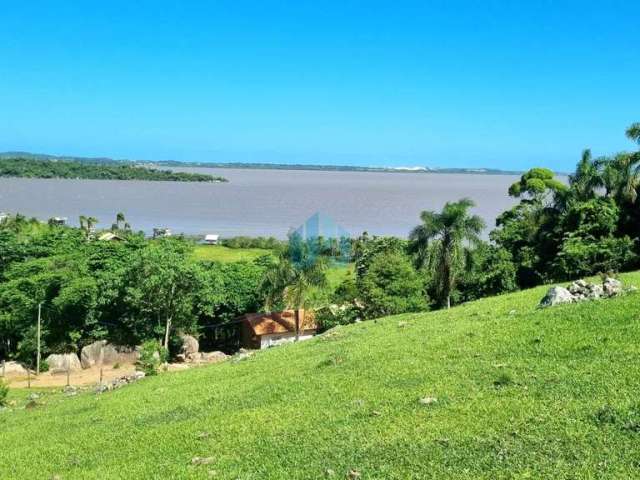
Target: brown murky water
<point>259,202</point>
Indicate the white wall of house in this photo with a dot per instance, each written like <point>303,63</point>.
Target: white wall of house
<point>274,339</point>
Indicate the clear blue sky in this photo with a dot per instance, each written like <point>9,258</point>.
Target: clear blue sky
<point>507,84</point>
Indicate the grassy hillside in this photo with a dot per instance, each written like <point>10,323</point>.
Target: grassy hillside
<point>521,393</point>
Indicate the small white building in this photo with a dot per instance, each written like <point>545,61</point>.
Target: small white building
<point>211,239</point>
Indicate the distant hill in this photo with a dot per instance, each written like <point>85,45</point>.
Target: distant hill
<point>265,166</point>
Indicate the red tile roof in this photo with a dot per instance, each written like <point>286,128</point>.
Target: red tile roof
<point>279,322</point>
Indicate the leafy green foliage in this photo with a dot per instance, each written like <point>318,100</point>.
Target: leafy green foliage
<point>32,168</point>
<point>536,183</point>
<point>391,286</point>
<point>4,392</point>
<point>150,357</point>
<point>438,244</point>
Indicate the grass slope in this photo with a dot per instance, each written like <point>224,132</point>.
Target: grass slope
<point>520,395</point>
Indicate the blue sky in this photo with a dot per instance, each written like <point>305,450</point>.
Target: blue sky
<point>506,84</point>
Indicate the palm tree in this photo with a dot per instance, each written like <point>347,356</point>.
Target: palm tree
<point>120,219</point>
<point>586,179</point>
<point>83,222</point>
<point>291,283</point>
<point>633,132</point>
<point>449,230</point>
<point>90,224</point>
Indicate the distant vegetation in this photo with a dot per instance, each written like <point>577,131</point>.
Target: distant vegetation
<point>261,166</point>
<point>36,168</point>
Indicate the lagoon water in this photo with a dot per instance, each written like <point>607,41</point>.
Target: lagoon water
<point>259,202</point>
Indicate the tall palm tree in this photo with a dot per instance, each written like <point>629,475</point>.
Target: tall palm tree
<point>439,242</point>
<point>90,226</point>
<point>291,283</point>
<point>586,179</point>
<point>633,132</point>
<point>120,219</point>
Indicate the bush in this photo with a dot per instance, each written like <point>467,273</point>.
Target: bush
<point>390,286</point>
<point>4,391</point>
<point>151,356</point>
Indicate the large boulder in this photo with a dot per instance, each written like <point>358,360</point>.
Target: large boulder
<point>97,352</point>
<point>13,368</point>
<point>612,287</point>
<point>60,363</point>
<point>111,354</point>
<point>190,346</point>
<point>557,296</point>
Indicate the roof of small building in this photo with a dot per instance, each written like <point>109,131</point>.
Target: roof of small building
<point>211,236</point>
<point>279,322</point>
<point>109,236</point>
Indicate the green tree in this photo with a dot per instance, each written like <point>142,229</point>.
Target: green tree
<point>120,220</point>
<point>162,286</point>
<point>390,286</point>
<point>537,184</point>
<point>291,284</point>
<point>449,231</point>
<point>586,179</point>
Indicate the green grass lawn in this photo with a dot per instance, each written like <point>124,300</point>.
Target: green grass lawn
<point>521,393</point>
<point>221,253</point>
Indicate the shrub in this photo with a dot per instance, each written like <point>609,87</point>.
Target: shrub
<point>150,357</point>
<point>4,391</point>
<point>390,286</point>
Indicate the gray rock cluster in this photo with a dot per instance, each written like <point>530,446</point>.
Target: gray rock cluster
<point>581,290</point>
<point>190,352</point>
<point>119,382</point>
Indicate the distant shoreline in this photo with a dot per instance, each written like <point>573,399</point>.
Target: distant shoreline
<point>260,166</point>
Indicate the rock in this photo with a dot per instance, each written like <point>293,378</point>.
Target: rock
<point>59,363</point>
<point>202,460</point>
<point>181,358</point>
<point>33,397</point>
<point>138,375</point>
<point>111,354</point>
<point>101,388</point>
<point>213,357</point>
<point>190,345</point>
<point>91,354</point>
<point>70,390</point>
<point>557,296</point>
<point>13,368</point>
<point>595,291</point>
<point>611,287</point>
<point>428,400</point>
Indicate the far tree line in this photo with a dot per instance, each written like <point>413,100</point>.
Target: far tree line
<point>36,168</point>
<point>141,289</point>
